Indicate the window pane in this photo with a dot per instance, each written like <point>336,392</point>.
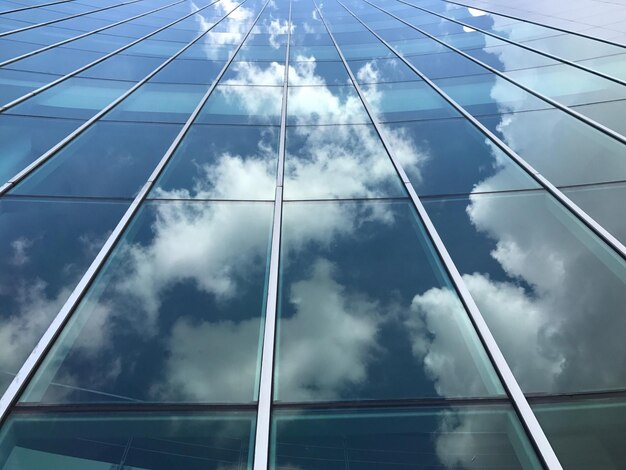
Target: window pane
<point>123,67</point>
<point>312,72</point>
<point>382,70</point>
<point>174,316</point>
<point>454,437</point>
<point>193,441</point>
<point>222,162</point>
<point>338,162</point>
<point>529,262</point>
<point>325,105</point>
<point>14,84</point>
<point>45,247</point>
<point>110,159</point>
<point>189,71</point>
<point>242,105</point>
<point>254,73</point>
<point>59,60</point>
<point>351,328</point>
<point>436,163</point>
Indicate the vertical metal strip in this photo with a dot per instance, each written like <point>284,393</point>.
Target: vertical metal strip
<point>77,15</point>
<point>523,20</point>
<point>263,423</point>
<point>36,356</point>
<point>524,411</point>
<point>518,44</point>
<point>19,100</point>
<point>52,151</point>
<point>88,33</point>
<point>596,125</point>
<point>598,229</point>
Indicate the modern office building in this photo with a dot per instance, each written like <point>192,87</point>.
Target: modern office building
<point>312,234</point>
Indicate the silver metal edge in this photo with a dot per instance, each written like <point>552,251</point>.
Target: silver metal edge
<point>263,422</point>
<point>536,434</point>
<point>518,44</point>
<point>22,98</point>
<point>12,393</point>
<point>69,138</point>
<point>556,28</point>
<point>596,125</point>
<point>598,229</point>
<point>77,15</point>
<point>88,33</point>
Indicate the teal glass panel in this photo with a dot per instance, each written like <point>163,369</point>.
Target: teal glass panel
<point>45,248</point>
<point>382,70</point>
<point>15,84</point>
<point>254,73</point>
<point>586,433</point>
<point>529,262</point>
<point>24,139</point>
<point>614,65</point>
<point>78,98</point>
<point>312,72</point>
<point>174,316</point>
<point>105,440</point>
<point>242,105</point>
<point>475,437</point>
<point>325,105</point>
<point>328,162</point>
<point>366,310</point>
<point>59,60</point>
<point>222,162</point>
<point>467,163</point>
<point>159,102</point>
<point>123,67</point>
<point>110,159</point>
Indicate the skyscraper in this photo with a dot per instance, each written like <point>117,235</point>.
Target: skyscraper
<point>295,234</point>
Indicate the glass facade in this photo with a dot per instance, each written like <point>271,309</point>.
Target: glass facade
<point>290,234</point>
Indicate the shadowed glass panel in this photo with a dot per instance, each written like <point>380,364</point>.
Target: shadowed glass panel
<point>99,441</point>
<point>367,312</point>
<point>529,262</point>
<point>45,248</point>
<point>174,316</point>
<point>110,159</point>
<point>471,438</point>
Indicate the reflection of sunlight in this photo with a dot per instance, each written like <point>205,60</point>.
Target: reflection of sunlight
<point>467,29</point>
<point>476,12</point>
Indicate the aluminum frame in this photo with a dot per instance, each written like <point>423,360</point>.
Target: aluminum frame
<point>29,367</point>
<point>525,413</point>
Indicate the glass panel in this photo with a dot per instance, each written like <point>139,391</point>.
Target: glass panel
<point>110,159</point>
<point>451,156</point>
<point>254,53</point>
<point>528,262</point>
<point>587,433</point>
<point>45,248</point>
<point>453,437</point>
<point>572,47</point>
<point>325,105</point>
<point>610,113</point>
<point>312,72</point>
<point>60,60</point>
<point>407,101</point>
<point>445,64</point>
<point>562,148</point>
<point>101,441</point>
<point>382,70</point>
<point>613,65</point>
<point>24,139</point>
<point>222,162</point>
<point>605,204</point>
<point>79,98</point>
<point>242,105</point>
<point>300,53</point>
<point>338,162</point>
<point>351,328</point>
<point>254,73</point>
<point>159,102</point>
<point>169,324</point>
<point>123,67</point>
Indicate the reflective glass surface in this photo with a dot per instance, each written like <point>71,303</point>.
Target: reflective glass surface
<point>121,155</point>
<point>586,433</point>
<point>529,262</point>
<point>169,324</point>
<point>45,247</point>
<point>366,311</point>
<point>326,162</point>
<point>325,105</point>
<point>453,437</point>
<point>98,441</point>
<point>242,105</point>
<point>222,162</point>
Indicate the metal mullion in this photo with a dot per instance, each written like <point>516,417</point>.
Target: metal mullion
<point>89,33</point>
<point>28,95</point>
<point>542,180</point>
<point>263,422</point>
<point>28,368</point>
<point>567,109</point>
<point>523,46</point>
<point>556,28</point>
<point>31,7</point>
<point>77,15</point>
<point>525,413</point>
<point>51,152</point>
